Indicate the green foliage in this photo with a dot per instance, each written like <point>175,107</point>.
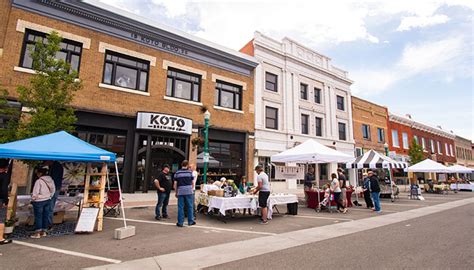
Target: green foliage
<point>10,114</point>
<point>49,94</point>
<point>415,152</point>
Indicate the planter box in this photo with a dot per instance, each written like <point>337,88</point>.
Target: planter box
<point>8,230</point>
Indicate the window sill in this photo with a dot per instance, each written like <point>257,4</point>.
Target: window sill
<point>183,101</point>
<point>227,109</point>
<point>394,146</point>
<point>25,70</point>
<point>126,90</point>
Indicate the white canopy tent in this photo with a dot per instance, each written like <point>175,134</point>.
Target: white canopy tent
<point>429,166</point>
<point>460,169</point>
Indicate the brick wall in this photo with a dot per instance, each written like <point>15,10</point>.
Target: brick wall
<point>444,157</point>
<point>400,129</point>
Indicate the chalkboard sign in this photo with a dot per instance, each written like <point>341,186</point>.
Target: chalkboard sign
<point>87,219</point>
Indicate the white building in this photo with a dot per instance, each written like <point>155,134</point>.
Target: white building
<point>299,95</point>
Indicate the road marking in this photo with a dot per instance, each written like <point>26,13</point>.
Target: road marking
<point>370,211</point>
<point>195,226</point>
<point>67,252</point>
<point>318,217</point>
<point>234,251</point>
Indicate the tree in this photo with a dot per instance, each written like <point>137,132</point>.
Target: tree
<point>415,152</point>
<point>49,94</point>
<point>10,117</point>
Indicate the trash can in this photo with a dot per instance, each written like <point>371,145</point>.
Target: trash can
<point>292,208</point>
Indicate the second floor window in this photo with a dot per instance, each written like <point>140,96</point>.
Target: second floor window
<point>228,95</point>
<point>340,103</point>
<point>366,131</point>
<point>319,126</point>
<point>184,85</point>
<point>271,117</point>
<point>271,82</point>
<point>304,91</point>
<point>317,95</point>
<point>405,140</point>
<point>395,141</point>
<point>126,71</point>
<point>304,124</point>
<point>342,131</point>
<point>380,135</point>
<point>70,51</point>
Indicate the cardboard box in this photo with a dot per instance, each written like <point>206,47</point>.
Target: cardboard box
<point>58,217</point>
<point>217,193</point>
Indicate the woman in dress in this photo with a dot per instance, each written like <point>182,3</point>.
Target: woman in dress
<point>336,189</point>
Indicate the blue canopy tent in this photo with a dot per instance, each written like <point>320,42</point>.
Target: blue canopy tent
<point>60,146</point>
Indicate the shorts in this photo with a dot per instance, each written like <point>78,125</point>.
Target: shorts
<point>344,194</point>
<point>263,198</point>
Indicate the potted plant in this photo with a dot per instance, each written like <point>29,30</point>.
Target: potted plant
<point>10,223</point>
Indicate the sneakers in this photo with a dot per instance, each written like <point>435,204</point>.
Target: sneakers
<point>263,222</point>
<point>43,234</point>
<point>378,212</point>
<point>344,211</point>
<point>158,218</point>
<point>5,241</point>
<point>165,216</point>
<point>36,235</point>
<point>179,225</point>
<point>194,223</point>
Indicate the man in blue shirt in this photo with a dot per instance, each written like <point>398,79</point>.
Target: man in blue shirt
<point>184,187</point>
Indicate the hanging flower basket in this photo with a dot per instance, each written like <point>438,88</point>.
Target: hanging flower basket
<point>198,141</point>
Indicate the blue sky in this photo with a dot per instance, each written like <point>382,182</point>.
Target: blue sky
<point>415,57</point>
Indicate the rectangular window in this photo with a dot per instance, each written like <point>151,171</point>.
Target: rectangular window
<point>304,91</point>
<point>380,135</point>
<point>416,139</point>
<point>271,117</point>
<point>395,141</point>
<point>405,140</point>
<point>340,103</point>
<point>271,82</point>
<point>125,71</point>
<point>319,126</point>
<point>358,152</point>
<point>439,148</point>
<point>70,51</point>
<point>366,132</point>
<point>228,95</point>
<point>185,85</point>
<point>432,147</point>
<point>451,150</point>
<point>446,148</point>
<point>317,95</point>
<point>342,131</point>
<point>304,124</point>
<point>423,144</point>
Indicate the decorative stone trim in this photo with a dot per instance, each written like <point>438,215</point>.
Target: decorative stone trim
<point>216,77</point>
<point>167,64</point>
<point>131,91</point>
<point>227,109</point>
<point>22,25</point>
<point>25,70</point>
<point>183,101</point>
<point>105,46</point>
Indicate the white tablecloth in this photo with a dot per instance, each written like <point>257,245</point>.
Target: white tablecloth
<point>463,186</point>
<point>248,201</point>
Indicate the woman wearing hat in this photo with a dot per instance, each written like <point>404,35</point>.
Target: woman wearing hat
<point>41,199</point>
<point>368,200</point>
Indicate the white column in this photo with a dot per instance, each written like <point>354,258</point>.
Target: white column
<point>258,99</point>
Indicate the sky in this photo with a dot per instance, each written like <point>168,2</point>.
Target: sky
<point>415,57</point>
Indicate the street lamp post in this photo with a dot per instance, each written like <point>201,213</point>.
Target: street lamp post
<point>386,148</point>
<point>207,116</point>
<point>392,197</point>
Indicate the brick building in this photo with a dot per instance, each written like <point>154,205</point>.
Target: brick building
<point>464,151</point>
<point>146,85</point>
<point>437,144</point>
<point>370,126</point>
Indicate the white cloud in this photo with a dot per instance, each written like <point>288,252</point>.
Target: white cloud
<point>408,23</point>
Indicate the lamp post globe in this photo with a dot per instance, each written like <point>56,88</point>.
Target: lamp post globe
<point>207,117</point>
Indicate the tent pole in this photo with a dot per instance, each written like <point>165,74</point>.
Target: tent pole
<point>120,191</point>
<point>356,184</point>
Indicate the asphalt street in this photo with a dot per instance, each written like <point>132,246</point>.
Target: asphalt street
<point>439,241</point>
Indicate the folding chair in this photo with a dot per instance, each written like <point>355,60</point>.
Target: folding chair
<point>112,205</point>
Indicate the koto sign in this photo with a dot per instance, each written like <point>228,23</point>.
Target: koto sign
<point>164,122</point>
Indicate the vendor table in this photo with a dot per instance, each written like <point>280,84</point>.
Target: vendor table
<point>246,201</point>
<point>312,201</point>
<point>63,203</point>
<point>469,187</point>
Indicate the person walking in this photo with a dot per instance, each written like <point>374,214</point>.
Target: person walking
<point>56,171</point>
<point>183,185</point>
<point>336,190</point>
<point>163,189</point>
<point>4,181</point>
<point>263,189</point>
<point>192,168</point>
<point>365,187</point>
<point>375,190</point>
<point>343,184</point>
<point>43,191</point>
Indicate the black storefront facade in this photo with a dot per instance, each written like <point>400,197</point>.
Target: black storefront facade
<point>145,142</point>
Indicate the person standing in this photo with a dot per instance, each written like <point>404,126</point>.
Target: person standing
<point>263,189</point>
<point>56,171</point>
<point>375,191</point>
<point>336,190</point>
<point>4,181</point>
<point>343,184</point>
<point>192,168</point>
<point>309,179</point>
<point>43,191</point>
<point>183,185</point>
<point>368,200</point>
<point>163,189</point>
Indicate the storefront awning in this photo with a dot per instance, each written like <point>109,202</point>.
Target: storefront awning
<point>374,160</point>
<point>429,166</point>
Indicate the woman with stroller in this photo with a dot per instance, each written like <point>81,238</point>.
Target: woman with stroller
<point>336,190</point>
<point>368,200</point>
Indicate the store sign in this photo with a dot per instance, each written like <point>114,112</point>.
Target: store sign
<point>158,43</point>
<point>164,122</point>
<point>289,172</point>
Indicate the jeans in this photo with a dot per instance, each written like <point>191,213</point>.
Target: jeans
<point>376,198</point>
<point>53,203</point>
<point>368,200</point>
<point>163,200</point>
<point>337,199</point>
<point>185,200</point>
<point>42,212</point>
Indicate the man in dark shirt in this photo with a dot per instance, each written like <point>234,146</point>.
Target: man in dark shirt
<point>4,181</point>
<point>163,187</point>
<point>375,190</point>
<point>184,186</point>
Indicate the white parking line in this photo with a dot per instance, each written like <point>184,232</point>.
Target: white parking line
<point>67,252</point>
<point>195,226</point>
<point>318,217</point>
<point>370,211</point>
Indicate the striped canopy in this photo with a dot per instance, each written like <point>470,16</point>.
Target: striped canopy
<point>374,160</point>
